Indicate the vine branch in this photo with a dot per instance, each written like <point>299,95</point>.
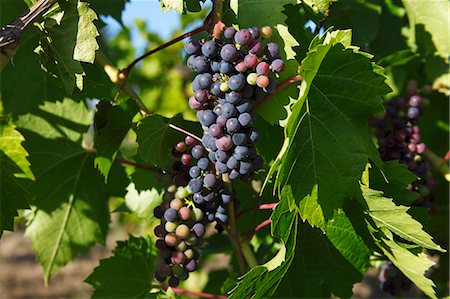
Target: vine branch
<point>176,128</point>
<point>10,34</point>
<point>141,166</point>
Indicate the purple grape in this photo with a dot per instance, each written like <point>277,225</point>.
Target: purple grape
<point>224,143</point>
<point>263,68</point>
<point>210,180</point>
<point>277,66</point>
<point>221,156</point>
<point>221,120</point>
<point>245,119</point>
<point>233,97</point>
<point>233,125</point>
<point>413,113</point>
<point>229,33</point>
<point>200,64</point>
<point>273,50</point>
<point>190,62</point>
<point>171,214</point>
<point>255,47</point>
<point>415,101</point>
<point>195,185</point>
<point>228,110</point>
<point>212,156</point>
<point>245,167</point>
<point>174,282</point>
<point>226,197</point>
<point>243,107</point>
<point>205,80</point>
<point>215,130</point>
<point>209,49</point>
<point>239,138</point>
<point>222,217</point>
<point>197,151</point>
<point>251,60</point>
<point>232,162</point>
<point>243,37</point>
<point>203,163</point>
<point>201,95</point>
<point>226,68</point>
<point>253,136</point>
<point>214,66</point>
<point>236,82</point>
<point>254,31</point>
<point>240,152</point>
<point>192,47</point>
<point>221,167</point>
<point>215,89</point>
<point>206,117</point>
<point>198,198</point>
<point>191,265</point>
<point>229,53</point>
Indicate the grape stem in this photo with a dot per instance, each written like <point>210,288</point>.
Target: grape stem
<point>258,227</point>
<point>232,231</point>
<point>141,166</point>
<point>265,206</point>
<point>283,85</point>
<point>438,163</point>
<point>185,132</point>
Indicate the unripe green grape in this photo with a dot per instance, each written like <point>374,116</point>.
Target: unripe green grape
<point>265,31</point>
<point>177,270</point>
<point>198,214</point>
<point>224,87</point>
<point>182,193</point>
<point>170,226</point>
<point>182,246</point>
<point>252,78</point>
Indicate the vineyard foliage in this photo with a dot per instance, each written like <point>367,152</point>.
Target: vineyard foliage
<point>78,145</point>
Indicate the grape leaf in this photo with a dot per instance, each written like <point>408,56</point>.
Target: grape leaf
<point>69,38</point>
<point>327,142</point>
<point>13,195</point>
<point>66,119</point>
<point>387,215</point>
<point>11,146</point>
<point>321,267</point>
<point>128,273</point>
<point>71,216</point>
<point>156,138</point>
<point>108,138</point>
<point>435,19</point>
<point>109,8</point>
<point>262,281</point>
<point>412,265</point>
<point>142,203</point>
<point>398,177</point>
<point>319,5</point>
<point>175,5</point>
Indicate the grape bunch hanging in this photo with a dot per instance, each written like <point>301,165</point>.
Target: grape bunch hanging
<point>234,71</point>
<point>399,139</point>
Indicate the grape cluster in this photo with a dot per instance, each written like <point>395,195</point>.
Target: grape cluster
<point>399,139</point>
<point>196,199</point>
<point>393,280</point>
<point>233,71</point>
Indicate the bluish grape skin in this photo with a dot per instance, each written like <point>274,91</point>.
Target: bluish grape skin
<point>221,167</point>
<point>192,47</point>
<point>236,82</point>
<point>171,215</point>
<point>232,162</point>
<point>243,107</point>
<point>198,198</point>
<point>273,50</point>
<point>239,138</point>
<point>228,110</point>
<point>243,37</point>
<point>222,218</point>
<point>215,130</point>
<point>210,180</point>
<point>226,67</point>
<point>215,66</point>
<point>233,97</point>
<point>245,119</point>
<point>200,64</point>
<point>251,60</point>
<point>205,80</point>
<point>256,47</point>
<point>221,156</point>
<point>190,62</point>
<point>209,49</point>
<point>215,89</point>
<point>191,266</point>
<point>224,143</point>
<point>226,198</point>
<point>195,185</point>
<point>229,53</point>
<point>206,117</point>
<point>221,120</point>
<point>245,167</point>
<point>195,172</point>
<point>240,152</point>
<point>232,125</point>
<point>253,136</point>
<point>203,163</point>
<point>212,156</point>
<point>229,32</point>
<point>277,66</point>
<point>197,151</point>
<point>201,95</point>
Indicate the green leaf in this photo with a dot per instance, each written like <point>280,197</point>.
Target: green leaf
<point>142,203</point>
<point>262,281</point>
<point>156,138</point>
<point>387,215</point>
<point>319,5</point>
<point>327,142</point>
<point>109,8</point>
<point>319,268</point>
<point>128,273</point>
<point>69,200</point>
<point>175,5</point>
<point>66,119</point>
<point>398,177</point>
<point>68,38</point>
<point>13,195</point>
<point>435,20</point>
<point>11,146</point>
<point>412,265</point>
<point>116,122</point>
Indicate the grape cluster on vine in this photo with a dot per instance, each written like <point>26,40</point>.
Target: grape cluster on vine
<point>399,139</point>
<point>234,71</point>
